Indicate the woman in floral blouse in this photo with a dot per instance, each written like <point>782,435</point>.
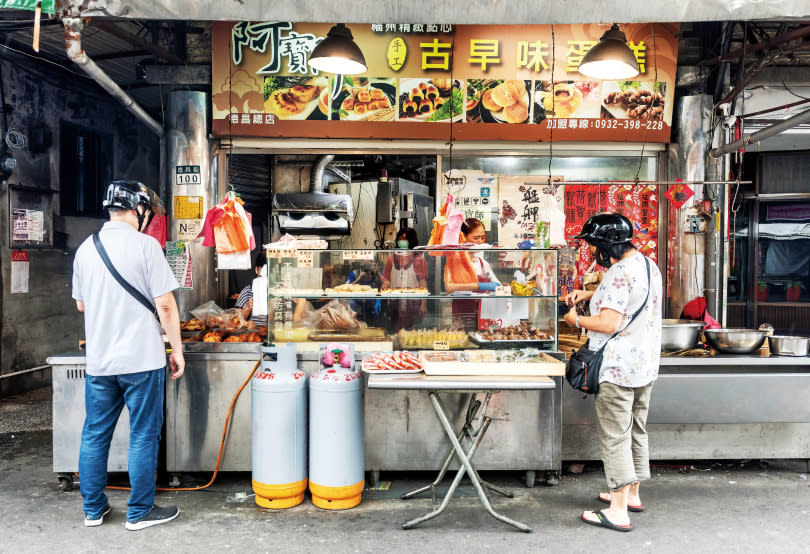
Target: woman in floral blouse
<point>629,364</point>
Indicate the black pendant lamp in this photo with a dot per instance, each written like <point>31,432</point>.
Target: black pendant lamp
<point>610,58</point>
<point>338,53</point>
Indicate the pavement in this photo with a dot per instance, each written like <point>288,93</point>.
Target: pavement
<point>699,506</point>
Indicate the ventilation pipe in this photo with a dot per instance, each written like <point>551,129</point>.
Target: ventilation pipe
<point>316,180</point>
<point>73,45</point>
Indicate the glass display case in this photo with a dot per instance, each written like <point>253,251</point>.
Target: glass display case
<point>432,298</point>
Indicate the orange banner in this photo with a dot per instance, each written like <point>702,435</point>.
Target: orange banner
<point>500,82</point>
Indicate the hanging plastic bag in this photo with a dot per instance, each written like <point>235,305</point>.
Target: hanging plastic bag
<point>440,223</point>
<point>232,232</point>
<point>157,229</point>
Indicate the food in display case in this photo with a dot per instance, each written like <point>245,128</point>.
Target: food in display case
<point>407,291</point>
<point>192,325</point>
<point>513,335</point>
<point>352,289</point>
<point>527,361</point>
<point>392,362</point>
<point>426,338</point>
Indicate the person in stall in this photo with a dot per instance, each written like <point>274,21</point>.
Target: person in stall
<point>367,274</point>
<point>405,269</point>
<point>465,311</point>
<point>255,311</point>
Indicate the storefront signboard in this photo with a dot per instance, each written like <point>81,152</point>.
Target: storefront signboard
<point>427,81</point>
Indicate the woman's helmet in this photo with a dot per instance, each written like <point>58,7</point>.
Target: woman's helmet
<point>128,195</point>
<point>606,231</point>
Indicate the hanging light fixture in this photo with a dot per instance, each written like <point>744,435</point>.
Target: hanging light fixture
<point>338,53</point>
<point>610,58</point>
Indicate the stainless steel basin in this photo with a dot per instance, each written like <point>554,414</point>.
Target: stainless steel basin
<point>782,345</point>
<point>734,341</point>
<point>679,334</point>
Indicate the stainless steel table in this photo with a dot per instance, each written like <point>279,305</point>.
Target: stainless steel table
<point>469,432</point>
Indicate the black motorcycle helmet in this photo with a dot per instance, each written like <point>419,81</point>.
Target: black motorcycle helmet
<point>128,195</point>
<point>610,233</point>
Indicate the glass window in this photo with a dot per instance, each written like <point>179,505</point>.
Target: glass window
<point>784,252</point>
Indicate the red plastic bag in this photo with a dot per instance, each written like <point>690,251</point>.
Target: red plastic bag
<point>157,229</point>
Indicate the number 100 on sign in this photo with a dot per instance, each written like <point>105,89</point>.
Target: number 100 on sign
<point>187,175</point>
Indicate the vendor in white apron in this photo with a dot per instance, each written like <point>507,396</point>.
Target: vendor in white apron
<point>406,270</point>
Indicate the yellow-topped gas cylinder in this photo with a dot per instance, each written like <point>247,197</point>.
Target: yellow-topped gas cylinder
<point>336,459</point>
<point>279,430</point>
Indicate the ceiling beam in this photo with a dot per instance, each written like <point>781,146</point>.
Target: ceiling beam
<point>138,42</point>
<point>121,54</point>
<point>802,33</point>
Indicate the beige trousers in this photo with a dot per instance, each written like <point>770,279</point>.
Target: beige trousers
<point>621,423</point>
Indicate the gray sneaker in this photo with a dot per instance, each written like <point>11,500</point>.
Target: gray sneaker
<point>157,516</point>
<point>96,522</point>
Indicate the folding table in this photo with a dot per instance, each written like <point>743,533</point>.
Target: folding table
<point>472,431</point>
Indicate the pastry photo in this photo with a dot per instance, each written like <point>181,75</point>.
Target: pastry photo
<point>432,100</point>
<point>364,99</point>
<point>294,98</point>
<point>500,101</point>
<point>566,99</point>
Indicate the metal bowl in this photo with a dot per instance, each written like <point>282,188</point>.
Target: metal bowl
<point>789,346</point>
<point>734,341</point>
<point>679,334</point>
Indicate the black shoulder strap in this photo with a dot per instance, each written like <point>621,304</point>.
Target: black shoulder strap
<point>643,304</point>
<point>136,294</point>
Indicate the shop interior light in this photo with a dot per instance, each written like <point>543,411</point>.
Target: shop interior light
<point>610,58</point>
<point>338,53</point>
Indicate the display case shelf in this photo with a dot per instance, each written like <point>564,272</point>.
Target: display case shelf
<point>326,290</point>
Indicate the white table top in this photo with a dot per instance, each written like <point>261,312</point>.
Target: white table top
<point>420,381</point>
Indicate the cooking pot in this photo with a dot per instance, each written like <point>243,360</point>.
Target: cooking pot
<point>789,346</point>
<point>735,341</point>
<point>680,334</point>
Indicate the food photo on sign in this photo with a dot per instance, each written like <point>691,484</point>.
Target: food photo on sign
<point>636,100</point>
<point>432,100</point>
<point>360,98</point>
<point>295,98</point>
<point>565,99</point>
<point>498,101</point>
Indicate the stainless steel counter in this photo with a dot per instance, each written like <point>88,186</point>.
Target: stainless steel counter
<point>714,407</point>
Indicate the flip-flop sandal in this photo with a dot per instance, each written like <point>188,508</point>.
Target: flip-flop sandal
<point>605,522</point>
<point>637,509</point>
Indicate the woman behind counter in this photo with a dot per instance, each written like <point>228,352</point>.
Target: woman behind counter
<point>465,311</point>
<point>406,270</point>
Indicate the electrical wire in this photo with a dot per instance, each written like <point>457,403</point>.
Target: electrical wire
<point>655,86</point>
<point>221,443</point>
<point>553,106</point>
<point>46,60</point>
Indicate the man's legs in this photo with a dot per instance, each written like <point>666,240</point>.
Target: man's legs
<point>143,394</point>
<point>103,400</point>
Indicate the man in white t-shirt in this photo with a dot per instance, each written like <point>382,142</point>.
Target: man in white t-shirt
<point>629,364</point>
<point>126,357</point>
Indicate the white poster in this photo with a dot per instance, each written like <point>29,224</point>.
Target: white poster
<point>19,272</point>
<point>476,193</point>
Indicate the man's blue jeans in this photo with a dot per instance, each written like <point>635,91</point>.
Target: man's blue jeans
<point>104,398</point>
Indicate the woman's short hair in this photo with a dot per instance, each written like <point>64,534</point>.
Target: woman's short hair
<point>471,224</point>
<point>409,235</point>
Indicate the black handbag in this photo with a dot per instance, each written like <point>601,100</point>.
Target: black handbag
<point>136,294</point>
<point>582,368</point>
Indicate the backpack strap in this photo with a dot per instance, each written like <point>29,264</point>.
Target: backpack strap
<point>643,304</point>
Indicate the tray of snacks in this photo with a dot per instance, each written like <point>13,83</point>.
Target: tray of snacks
<point>392,362</point>
<point>404,292</point>
<point>350,289</point>
<point>359,334</point>
<point>513,336</point>
<point>525,362</point>
<point>426,339</point>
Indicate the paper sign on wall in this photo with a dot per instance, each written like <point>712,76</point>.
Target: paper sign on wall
<point>476,193</point>
<point>19,272</point>
<point>179,257</point>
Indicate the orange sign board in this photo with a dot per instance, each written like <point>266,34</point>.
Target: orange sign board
<point>500,82</point>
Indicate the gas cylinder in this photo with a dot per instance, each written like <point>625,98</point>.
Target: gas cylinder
<point>279,430</point>
<point>336,461</point>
